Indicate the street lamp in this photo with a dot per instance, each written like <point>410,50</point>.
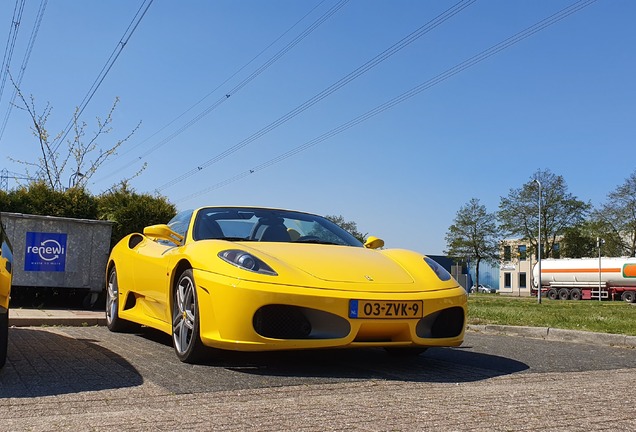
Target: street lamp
<point>74,176</point>
<point>539,246</point>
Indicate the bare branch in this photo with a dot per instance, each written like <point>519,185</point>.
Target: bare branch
<point>52,166</point>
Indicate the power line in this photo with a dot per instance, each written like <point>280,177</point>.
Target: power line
<point>495,49</point>
<point>107,67</point>
<point>256,73</point>
<point>229,78</point>
<point>444,16</point>
<point>25,61</point>
<point>11,40</point>
<point>242,84</point>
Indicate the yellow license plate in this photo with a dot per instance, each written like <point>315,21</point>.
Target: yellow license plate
<point>386,309</point>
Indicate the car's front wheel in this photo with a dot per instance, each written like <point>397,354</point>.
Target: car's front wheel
<point>185,320</point>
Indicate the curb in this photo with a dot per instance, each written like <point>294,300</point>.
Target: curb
<point>41,317</point>
<point>559,335</point>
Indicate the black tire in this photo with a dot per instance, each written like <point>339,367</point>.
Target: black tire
<point>113,322</point>
<point>564,294</point>
<point>404,352</point>
<point>575,294</point>
<point>629,296</point>
<point>186,337</point>
<point>552,294</point>
<point>4,337</point>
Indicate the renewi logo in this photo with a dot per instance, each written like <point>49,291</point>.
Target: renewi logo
<point>49,250</point>
<point>45,251</point>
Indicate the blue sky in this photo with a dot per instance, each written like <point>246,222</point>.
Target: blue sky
<point>563,99</point>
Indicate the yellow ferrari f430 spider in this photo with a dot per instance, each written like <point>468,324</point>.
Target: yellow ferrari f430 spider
<point>260,279</point>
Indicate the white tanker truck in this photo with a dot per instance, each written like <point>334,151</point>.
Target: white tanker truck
<point>587,278</point>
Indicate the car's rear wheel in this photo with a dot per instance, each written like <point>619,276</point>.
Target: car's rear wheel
<point>185,320</point>
<point>4,337</point>
<point>553,294</point>
<point>114,323</point>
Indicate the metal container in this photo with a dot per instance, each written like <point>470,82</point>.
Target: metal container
<point>58,252</point>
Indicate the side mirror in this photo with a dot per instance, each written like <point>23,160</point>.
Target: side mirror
<point>373,243</point>
<point>163,232</point>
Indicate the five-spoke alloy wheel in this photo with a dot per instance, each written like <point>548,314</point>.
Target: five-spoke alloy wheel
<point>113,321</point>
<point>185,319</point>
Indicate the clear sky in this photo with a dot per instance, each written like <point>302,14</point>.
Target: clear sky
<point>562,99</point>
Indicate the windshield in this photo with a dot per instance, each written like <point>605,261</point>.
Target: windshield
<point>180,222</point>
<point>266,225</point>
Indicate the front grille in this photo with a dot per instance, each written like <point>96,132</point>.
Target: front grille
<point>294,322</point>
<point>446,323</point>
<point>281,322</point>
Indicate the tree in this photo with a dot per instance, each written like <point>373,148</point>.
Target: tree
<point>577,243</point>
<point>581,240</point>
<point>617,217</point>
<point>351,226</point>
<point>518,212</point>
<point>82,157</point>
<point>131,211</point>
<point>474,234</point>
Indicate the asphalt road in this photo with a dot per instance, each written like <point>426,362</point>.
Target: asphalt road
<point>86,378</point>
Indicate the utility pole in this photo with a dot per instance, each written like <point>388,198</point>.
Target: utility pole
<point>4,180</point>
<point>539,246</point>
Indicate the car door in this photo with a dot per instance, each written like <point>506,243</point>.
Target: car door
<point>151,275</point>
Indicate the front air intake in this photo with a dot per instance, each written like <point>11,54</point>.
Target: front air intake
<point>295,322</point>
<point>281,322</point>
<point>446,323</point>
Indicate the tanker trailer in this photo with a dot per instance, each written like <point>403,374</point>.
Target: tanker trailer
<point>587,278</point>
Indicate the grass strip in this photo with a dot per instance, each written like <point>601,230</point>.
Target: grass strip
<point>589,315</point>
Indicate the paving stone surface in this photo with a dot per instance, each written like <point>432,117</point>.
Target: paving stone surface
<point>86,378</point>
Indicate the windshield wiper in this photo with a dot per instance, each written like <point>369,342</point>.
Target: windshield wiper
<point>317,241</point>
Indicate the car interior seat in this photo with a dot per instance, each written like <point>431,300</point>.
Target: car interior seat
<point>270,230</point>
<point>206,228</point>
<point>275,233</point>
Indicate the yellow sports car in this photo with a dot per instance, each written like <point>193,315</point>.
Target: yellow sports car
<point>259,279</point>
<point>6,261</point>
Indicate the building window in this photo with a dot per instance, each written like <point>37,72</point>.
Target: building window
<point>507,253</point>
<point>522,280</point>
<point>522,253</point>
<point>507,280</point>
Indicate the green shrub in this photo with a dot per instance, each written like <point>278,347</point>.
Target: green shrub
<point>131,211</point>
<point>39,199</point>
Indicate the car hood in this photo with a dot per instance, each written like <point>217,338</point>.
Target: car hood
<point>337,263</point>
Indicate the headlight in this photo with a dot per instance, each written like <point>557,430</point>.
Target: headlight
<point>246,261</point>
<point>438,269</point>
